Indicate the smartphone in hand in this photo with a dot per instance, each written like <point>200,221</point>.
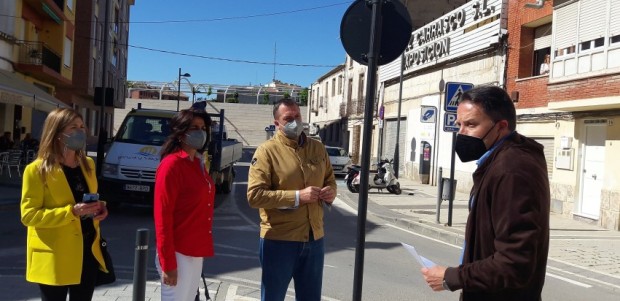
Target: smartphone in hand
<point>90,197</point>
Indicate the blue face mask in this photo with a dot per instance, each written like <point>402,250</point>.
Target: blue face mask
<point>293,129</point>
<point>75,140</point>
<point>196,139</point>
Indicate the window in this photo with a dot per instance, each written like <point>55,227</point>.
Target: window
<point>116,20</point>
<point>70,5</point>
<point>66,57</point>
<point>565,29</point>
<point>334,86</point>
<point>614,39</point>
<point>339,84</point>
<point>542,49</point>
<point>587,45</point>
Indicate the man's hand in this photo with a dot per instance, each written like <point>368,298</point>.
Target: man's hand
<point>434,277</point>
<point>309,194</point>
<point>170,277</point>
<point>327,194</point>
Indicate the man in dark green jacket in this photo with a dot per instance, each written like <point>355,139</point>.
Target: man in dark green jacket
<point>507,233</point>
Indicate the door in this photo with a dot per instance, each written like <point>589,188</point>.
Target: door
<point>593,170</point>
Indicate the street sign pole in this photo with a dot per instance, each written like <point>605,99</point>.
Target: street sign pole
<point>375,42</point>
<point>454,92</point>
<point>389,19</point>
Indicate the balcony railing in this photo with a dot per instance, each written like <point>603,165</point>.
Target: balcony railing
<point>37,53</point>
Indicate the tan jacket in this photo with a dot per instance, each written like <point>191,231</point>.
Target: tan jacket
<point>279,168</point>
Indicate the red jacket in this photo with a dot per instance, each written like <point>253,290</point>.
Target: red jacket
<point>183,209</point>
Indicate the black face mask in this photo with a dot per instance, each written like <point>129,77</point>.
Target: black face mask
<point>470,148</point>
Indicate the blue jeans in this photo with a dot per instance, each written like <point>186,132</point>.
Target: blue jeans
<point>283,260</point>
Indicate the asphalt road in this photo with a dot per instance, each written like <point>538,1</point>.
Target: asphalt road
<point>390,273</point>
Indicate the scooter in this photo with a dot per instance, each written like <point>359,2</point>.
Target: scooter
<point>382,178</point>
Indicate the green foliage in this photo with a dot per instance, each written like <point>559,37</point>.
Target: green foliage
<point>265,99</point>
<point>303,97</point>
<point>287,95</point>
<point>232,100</point>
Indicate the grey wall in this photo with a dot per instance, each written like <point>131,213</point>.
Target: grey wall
<point>244,122</point>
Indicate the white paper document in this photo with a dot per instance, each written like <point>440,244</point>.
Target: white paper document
<point>425,262</point>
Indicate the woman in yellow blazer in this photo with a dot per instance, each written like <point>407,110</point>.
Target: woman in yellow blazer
<point>63,251</point>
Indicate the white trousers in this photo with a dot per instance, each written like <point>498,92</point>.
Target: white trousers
<point>188,279</point>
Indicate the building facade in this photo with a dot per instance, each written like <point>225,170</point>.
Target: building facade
<point>88,63</point>
<point>575,105</point>
<point>40,69</point>
<point>34,35</point>
<point>466,45</point>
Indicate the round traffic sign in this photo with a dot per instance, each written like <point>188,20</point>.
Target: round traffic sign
<point>395,29</point>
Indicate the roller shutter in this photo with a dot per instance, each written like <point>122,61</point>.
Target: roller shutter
<point>565,25</point>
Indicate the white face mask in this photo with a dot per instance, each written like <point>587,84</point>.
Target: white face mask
<point>293,129</point>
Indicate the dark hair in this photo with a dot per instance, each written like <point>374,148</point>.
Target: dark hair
<point>495,102</point>
<point>287,102</point>
<point>179,125</point>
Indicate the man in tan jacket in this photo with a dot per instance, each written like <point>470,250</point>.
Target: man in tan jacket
<point>290,181</point>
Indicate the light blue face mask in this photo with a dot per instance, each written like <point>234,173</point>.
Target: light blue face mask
<point>293,129</point>
<point>75,140</point>
<point>196,139</point>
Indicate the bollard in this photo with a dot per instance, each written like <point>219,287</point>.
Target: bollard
<point>139,265</point>
<point>439,196</point>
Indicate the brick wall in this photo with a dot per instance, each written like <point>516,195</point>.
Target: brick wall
<point>532,91</point>
<point>585,88</point>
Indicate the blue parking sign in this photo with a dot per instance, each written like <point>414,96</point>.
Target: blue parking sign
<point>454,91</point>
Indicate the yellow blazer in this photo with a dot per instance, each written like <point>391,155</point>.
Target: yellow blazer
<point>54,241</point>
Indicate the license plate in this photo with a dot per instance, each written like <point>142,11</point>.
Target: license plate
<point>141,188</point>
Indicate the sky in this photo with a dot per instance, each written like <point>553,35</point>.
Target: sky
<point>204,35</point>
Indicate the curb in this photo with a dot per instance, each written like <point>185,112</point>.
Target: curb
<point>437,231</point>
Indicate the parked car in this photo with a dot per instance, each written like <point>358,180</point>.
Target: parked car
<point>340,159</point>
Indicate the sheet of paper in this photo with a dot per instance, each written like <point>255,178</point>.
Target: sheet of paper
<point>423,261</point>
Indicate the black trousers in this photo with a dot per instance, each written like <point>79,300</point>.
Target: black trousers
<point>77,292</point>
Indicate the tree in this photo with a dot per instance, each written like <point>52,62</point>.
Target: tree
<point>303,97</point>
<point>265,99</point>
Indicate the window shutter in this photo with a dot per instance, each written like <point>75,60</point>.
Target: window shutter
<point>614,22</point>
<point>592,19</point>
<point>565,25</point>
<point>542,37</point>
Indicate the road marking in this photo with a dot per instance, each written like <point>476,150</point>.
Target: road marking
<point>424,236</point>
<point>586,277</point>
<point>549,267</point>
<point>344,206</point>
<point>584,268</point>
<point>577,283</point>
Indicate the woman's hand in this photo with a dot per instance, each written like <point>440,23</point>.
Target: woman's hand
<point>102,213</point>
<point>86,209</point>
<point>170,277</point>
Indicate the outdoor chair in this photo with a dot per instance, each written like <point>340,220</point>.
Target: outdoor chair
<point>4,161</point>
<point>15,160</point>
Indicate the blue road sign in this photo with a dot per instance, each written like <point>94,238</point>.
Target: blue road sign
<point>454,91</point>
<point>429,114</point>
<point>449,122</point>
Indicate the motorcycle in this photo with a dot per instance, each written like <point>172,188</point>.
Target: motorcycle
<point>381,178</point>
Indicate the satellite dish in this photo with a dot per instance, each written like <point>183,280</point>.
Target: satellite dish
<point>395,31</point>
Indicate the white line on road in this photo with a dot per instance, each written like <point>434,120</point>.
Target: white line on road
<point>584,268</point>
<point>577,283</point>
<point>581,276</point>
<point>549,267</point>
<point>424,236</point>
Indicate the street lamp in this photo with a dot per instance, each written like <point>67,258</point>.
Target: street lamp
<point>179,87</point>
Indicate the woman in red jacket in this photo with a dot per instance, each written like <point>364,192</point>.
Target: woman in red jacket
<point>183,209</point>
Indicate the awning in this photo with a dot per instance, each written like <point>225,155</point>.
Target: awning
<point>17,91</point>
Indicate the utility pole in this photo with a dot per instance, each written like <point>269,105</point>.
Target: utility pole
<point>103,134</point>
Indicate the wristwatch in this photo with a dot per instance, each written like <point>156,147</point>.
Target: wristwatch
<point>445,285</point>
